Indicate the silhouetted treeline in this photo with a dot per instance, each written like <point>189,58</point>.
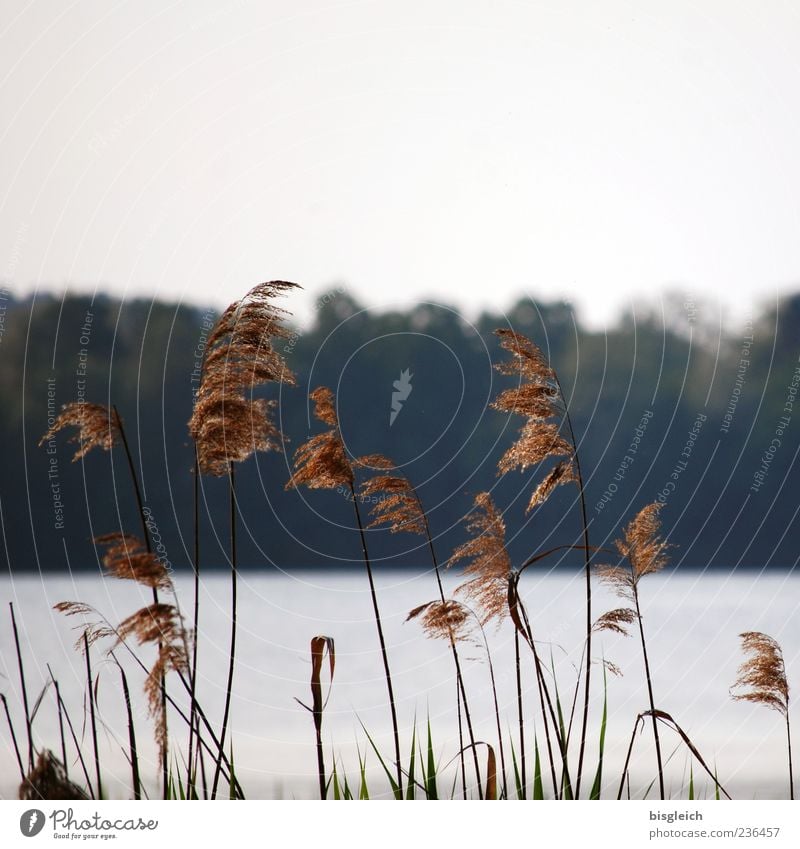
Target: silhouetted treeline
<point>705,421</point>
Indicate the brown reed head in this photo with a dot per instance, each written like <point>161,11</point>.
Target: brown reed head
<point>537,398</point>
<point>321,462</point>
<point>126,556</point>
<point>763,673</point>
<point>642,547</point>
<point>159,625</point>
<point>444,620</point>
<point>48,780</point>
<point>488,565</point>
<point>98,427</point>
<point>616,621</point>
<point>394,502</point>
<point>228,424</point>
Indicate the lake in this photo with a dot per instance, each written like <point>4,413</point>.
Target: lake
<point>692,621</point>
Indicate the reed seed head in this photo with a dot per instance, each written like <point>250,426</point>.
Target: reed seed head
<point>228,424</point>
<point>445,620</point>
<point>488,565</point>
<point>126,557</point>
<point>159,625</point>
<point>642,547</point>
<point>537,399</point>
<point>98,427</point>
<point>616,621</point>
<point>396,504</point>
<point>321,462</point>
<point>763,674</point>
<point>48,780</point>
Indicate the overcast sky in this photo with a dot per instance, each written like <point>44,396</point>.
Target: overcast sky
<point>460,151</point>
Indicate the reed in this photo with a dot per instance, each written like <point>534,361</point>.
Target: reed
<point>762,681</point>
<point>229,424</point>
<point>645,553</point>
<point>322,463</point>
<point>397,505</point>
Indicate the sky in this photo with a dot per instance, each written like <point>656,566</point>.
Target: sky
<point>455,151</point>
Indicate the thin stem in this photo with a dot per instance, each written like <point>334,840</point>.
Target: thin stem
<point>544,696</point>
<point>92,714</point>
<point>320,759</point>
<point>588,562</point>
<point>134,755</point>
<point>232,655</point>
<point>521,714</point>
<point>382,642</point>
<point>628,758</point>
<point>461,744</point>
<point>456,660</point>
<point>195,623</point>
<point>649,689</point>
<point>789,745</point>
<point>74,737</point>
<point>496,705</point>
<point>61,734</point>
<point>24,687</point>
<point>148,545</point>
<point>13,737</point>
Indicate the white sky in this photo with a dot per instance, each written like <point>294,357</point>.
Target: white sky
<point>461,151</point>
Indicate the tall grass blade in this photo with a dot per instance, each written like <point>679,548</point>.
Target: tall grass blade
<point>598,776</point>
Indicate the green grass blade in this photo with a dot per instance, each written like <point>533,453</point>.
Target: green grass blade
<point>517,779</point>
<point>395,789</point>
<point>363,790</point>
<point>691,784</point>
<point>430,777</point>
<point>538,786</point>
<point>411,790</point>
<point>598,777</point>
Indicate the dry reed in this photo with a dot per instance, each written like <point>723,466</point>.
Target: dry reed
<point>763,679</point>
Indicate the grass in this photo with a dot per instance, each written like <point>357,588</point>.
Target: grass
<point>196,751</point>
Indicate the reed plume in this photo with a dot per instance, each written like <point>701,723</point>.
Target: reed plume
<point>443,620</point>
<point>398,507</point>
<point>228,424</point>
<point>322,463</point>
<point>537,398</point>
<point>645,552</point>
<point>488,565</point>
<point>48,780</point>
<point>98,427</point>
<point>540,398</point>
<point>159,625</point>
<point>762,677</point>
<point>127,557</point>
